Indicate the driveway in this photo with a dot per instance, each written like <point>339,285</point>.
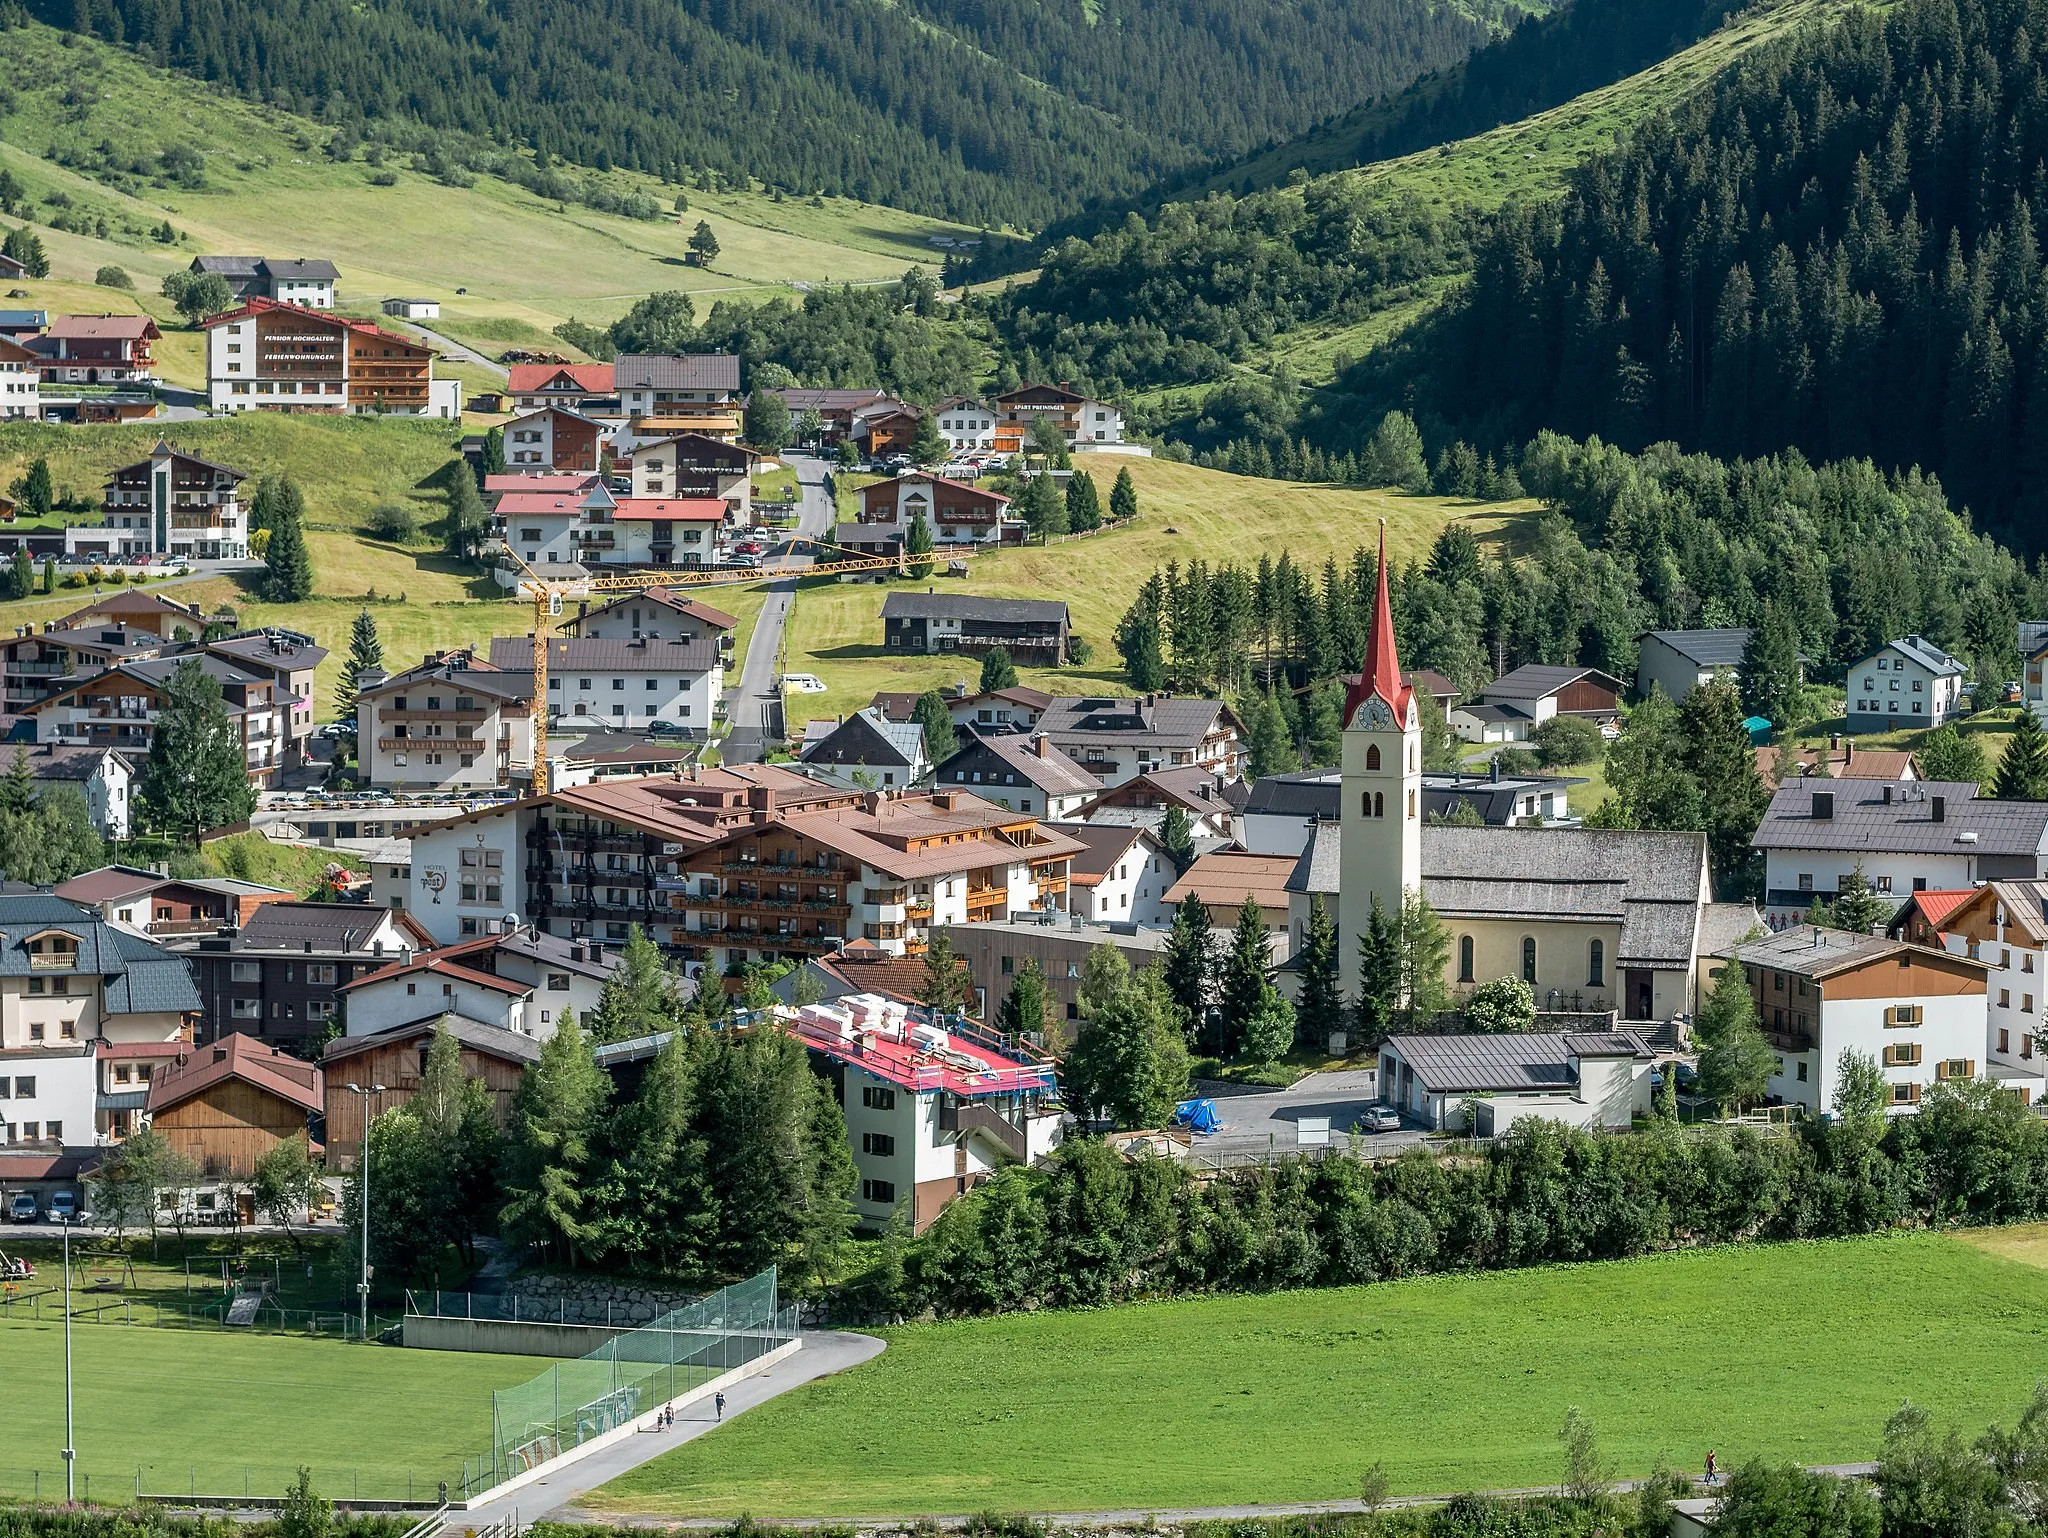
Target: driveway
<point>1270,1120</point>
<point>757,702</point>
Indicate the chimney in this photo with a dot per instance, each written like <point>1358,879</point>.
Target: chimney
<point>761,798</point>
<point>942,801</point>
<point>1835,741</point>
<point>1887,795</point>
<point>1493,768</point>
<point>1848,749</point>
<point>1824,806</point>
<point>220,1054</point>
<point>1938,806</point>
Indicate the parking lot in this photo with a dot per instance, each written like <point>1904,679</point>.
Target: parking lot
<point>1271,1119</point>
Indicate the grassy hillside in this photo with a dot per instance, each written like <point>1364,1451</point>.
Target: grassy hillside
<point>1452,1383</point>
<point>1184,514</point>
<point>83,126</point>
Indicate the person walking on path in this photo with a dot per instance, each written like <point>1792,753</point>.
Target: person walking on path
<point>1713,1473</point>
<point>720,1401</point>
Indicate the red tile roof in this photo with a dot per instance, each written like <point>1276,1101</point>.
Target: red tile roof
<point>131,328</point>
<point>671,509</point>
<point>237,1057</point>
<point>532,378</point>
<point>564,484</point>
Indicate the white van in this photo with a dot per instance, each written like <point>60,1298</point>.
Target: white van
<point>803,683</point>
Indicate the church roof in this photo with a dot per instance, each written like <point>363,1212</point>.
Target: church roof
<point>1382,675</point>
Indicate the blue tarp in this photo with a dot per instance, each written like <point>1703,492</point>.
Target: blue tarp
<point>1197,1116</point>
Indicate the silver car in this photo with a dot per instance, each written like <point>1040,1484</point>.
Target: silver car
<point>1378,1118</point>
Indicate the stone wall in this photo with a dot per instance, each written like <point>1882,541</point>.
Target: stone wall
<point>589,1300</point>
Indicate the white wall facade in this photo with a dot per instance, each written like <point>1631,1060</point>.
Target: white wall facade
<point>1950,1031</point>
<point>20,390</point>
<point>380,1006</point>
<point>1894,692</point>
<point>1793,878</point>
<point>633,699</point>
<point>969,427</point>
<point>1132,891</point>
<point>441,855</point>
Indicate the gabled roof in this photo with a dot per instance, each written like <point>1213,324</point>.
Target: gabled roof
<point>242,1058</point>
<point>672,600</point>
<point>1871,817</point>
<point>1227,876</point>
<point>1103,844</point>
<point>694,371</point>
<point>671,509</point>
<point>329,928</point>
<point>1483,1064</point>
<point>925,477</point>
<point>122,328</point>
<point>1009,611</point>
<point>557,483</point>
<point>1814,952</point>
<point>1722,648</point>
<point>1034,759</point>
<point>1171,720</point>
<point>477,1035</point>
<point>228,266</point>
<point>534,378</point>
<point>1939,906</point>
<point>301,269</point>
<point>1537,680</point>
<point>869,737</point>
<point>619,654</point>
<point>1924,652</point>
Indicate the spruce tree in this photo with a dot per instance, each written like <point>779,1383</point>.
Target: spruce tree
<point>38,491</point>
<point>2022,773</point>
<point>196,776</point>
<point>1128,1061</point>
<point>365,651</point>
<point>549,1156</point>
<point>640,997</point>
<point>935,718</point>
<point>945,985</point>
<point>492,460</point>
<point>1177,838</point>
<point>1735,1060</point>
<point>1379,973</point>
<point>658,1211</point>
<point>22,573</point>
<point>1084,504</point>
<point>1123,496</point>
<point>466,515</point>
<point>1247,973</point>
<point>998,671</point>
<point>1322,979</point>
<point>1732,798</point>
<point>1425,947</point>
<point>18,789</point>
<point>1027,1007</point>
<point>1190,966</point>
<point>1042,508</point>
<point>928,445</point>
<point>917,547</point>
<point>288,563</point>
<point>1770,670</point>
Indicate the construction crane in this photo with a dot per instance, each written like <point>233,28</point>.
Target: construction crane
<point>548,593</point>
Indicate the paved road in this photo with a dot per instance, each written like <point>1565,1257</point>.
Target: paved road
<point>1254,1123</point>
<point>450,346</point>
<point>757,702</point>
<point>824,1352</point>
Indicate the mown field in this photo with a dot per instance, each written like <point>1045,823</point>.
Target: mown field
<point>1786,1351</point>
<point>1185,513</point>
<point>267,187</point>
<point>218,1412</point>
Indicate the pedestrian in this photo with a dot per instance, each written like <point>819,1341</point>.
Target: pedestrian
<point>1713,1476</point>
<point>721,1405</point>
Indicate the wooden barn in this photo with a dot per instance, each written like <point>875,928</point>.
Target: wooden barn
<point>225,1106</point>
<point>397,1058</point>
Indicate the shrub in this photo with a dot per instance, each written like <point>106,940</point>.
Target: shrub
<point>393,521</point>
<point>111,276</point>
<point>1564,740</point>
<point>1517,761</point>
<point>1500,1006</point>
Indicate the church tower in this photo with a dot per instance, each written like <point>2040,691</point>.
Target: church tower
<point>1380,848</point>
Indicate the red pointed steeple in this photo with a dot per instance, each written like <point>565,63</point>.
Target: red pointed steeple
<point>1382,674</point>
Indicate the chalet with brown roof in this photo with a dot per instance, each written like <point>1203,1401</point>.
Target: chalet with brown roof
<point>97,349</point>
<point>579,387</point>
<point>397,1060</point>
<point>696,465</point>
<point>1223,879</point>
<point>1212,802</point>
<point>886,868</point>
<point>1026,774</point>
<point>657,613</point>
<point>956,513</point>
<point>226,1105</point>
<point>1843,758</point>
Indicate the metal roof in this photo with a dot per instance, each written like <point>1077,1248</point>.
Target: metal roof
<point>1163,719</point>
<point>1476,1064</point>
<point>618,654</point>
<point>1864,821</point>
<point>1537,680</point>
<point>693,371</point>
<point>1923,651</point>
<point>1011,611</point>
<point>1721,648</point>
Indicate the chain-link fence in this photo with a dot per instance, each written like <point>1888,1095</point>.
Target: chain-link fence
<point>265,1317</point>
<point>572,1402</point>
<point>221,1482</point>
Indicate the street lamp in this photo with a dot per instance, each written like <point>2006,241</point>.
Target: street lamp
<point>363,1216</point>
<point>70,1452</point>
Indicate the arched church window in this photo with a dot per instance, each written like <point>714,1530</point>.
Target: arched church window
<point>1372,756</point>
<point>1528,959</point>
<point>1464,958</point>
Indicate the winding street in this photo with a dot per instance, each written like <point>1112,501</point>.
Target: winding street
<point>756,711</point>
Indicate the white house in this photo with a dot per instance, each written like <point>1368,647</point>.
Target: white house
<point>456,722</point>
<point>1485,1084</point>
<point>2003,925</point>
<point>1917,1012</point>
<point>1905,685</point>
<point>1908,836</point>
<point>21,382</point>
<point>967,425</point>
<point>1026,774</point>
<point>103,776</point>
<point>518,981</point>
<point>933,1106</point>
<point>632,684</point>
<point>413,309</point>
<point>549,520</point>
<point>1121,877</point>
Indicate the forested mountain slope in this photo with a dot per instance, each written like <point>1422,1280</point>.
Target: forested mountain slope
<point>991,111</point>
<point>1835,250</point>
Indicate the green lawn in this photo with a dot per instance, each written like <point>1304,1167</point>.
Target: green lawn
<point>1790,1351</point>
<point>211,1410</point>
<point>1185,513</point>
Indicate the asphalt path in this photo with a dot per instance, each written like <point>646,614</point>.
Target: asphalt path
<point>757,703</point>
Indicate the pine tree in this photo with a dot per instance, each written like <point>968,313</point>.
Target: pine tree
<point>1857,907</point>
<point>1043,509</point>
<point>935,718</point>
<point>704,244</point>
<point>1270,745</point>
<point>1735,1060</point>
<point>917,547</point>
<point>1425,948</point>
<point>38,491</point>
<point>1732,797</point>
<point>289,564</point>
<point>1379,973</point>
<point>18,789</point>
<point>640,997</point>
<point>196,776</point>
<point>1123,496</point>
<point>1190,967</point>
<point>2022,773</point>
<point>549,1158</point>
<point>466,515</point>
<point>1027,1008</point>
<point>492,460</point>
<point>1084,505</point>
<point>1247,973</point>
<point>1770,670</point>
<point>928,445</point>
<point>365,652</point>
<point>22,573</point>
<point>1177,838</point>
<point>945,985</point>
<point>998,671</point>
<point>1322,978</point>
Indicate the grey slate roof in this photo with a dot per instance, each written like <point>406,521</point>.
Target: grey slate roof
<point>2032,634</point>
<point>1864,823</point>
<point>266,650</point>
<point>1171,722</point>
<point>869,737</point>
<point>693,371</point>
<point>1927,654</point>
<point>136,977</point>
<point>331,927</point>
<point>1052,772</point>
<point>618,654</point>
<point>479,1034</point>
<point>303,269</point>
<point>1708,648</point>
<point>1536,680</point>
<point>1494,712</point>
<point>1008,611</point>
<point>228,266</point>
<point>1474,1064</point>
<point>1317,869</point>
<point>1814,952</point>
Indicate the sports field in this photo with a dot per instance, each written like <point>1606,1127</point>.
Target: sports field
<point>224,1413</point>
<point>1790,1351</point>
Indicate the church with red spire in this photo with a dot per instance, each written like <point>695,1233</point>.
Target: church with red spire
<point>1380,854</point>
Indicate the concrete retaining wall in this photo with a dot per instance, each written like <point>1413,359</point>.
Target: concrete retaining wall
<point>424,1332</point>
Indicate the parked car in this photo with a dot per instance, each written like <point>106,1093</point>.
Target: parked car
<point>64,1207</point>
<point>23,1207</point>
<point>1378,1118</point>
<point>738,558</point>
<point>803,683</point>
<point>750,547</point>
